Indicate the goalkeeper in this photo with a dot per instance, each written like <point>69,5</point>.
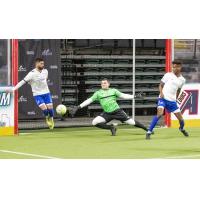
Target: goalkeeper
<point>107,98</point>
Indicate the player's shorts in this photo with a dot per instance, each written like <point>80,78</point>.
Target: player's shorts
<point>43,99</point>
<point>117,114</point>
<point>170,106</point>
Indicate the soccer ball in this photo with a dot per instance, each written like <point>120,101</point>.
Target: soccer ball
<point>61,109</point>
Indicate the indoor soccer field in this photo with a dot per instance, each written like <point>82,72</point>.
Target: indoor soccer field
<point>89,142</point>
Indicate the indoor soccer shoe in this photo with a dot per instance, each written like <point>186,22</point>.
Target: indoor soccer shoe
<point>148,135</point>
<point>51,123</point>
<point>48,122</point>
<point>185,133</point>
<point>113,130</point>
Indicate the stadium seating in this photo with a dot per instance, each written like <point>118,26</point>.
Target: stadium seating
<point>108,43</point>
<point>124,43</point>
<point>112,59</point>
<point>95,43</point>
<point>150,68</point>
<point>149,43</point>
<point>138,44</point>
<point>81,43</point>
<point>160,44</point>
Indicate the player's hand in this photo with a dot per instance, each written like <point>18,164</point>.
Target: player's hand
<point>74,110</point>
<point>161,95</point>
<point>140,95</point>
<point>9,90</point>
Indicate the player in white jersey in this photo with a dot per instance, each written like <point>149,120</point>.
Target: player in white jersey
<point>169,88</point>
<point>37,78</point>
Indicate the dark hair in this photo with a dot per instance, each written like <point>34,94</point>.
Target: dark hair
<point>39,59</point>
<point>177,62</point>
<point>105,79</point>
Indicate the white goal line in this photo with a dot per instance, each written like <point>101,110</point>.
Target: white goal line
<point>28,154</point>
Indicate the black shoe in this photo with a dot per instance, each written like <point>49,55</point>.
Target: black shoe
<point>148,136</point>
<point>113,130</point>
<point>185,133</point>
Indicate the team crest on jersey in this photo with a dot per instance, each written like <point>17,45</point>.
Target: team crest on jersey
<point>188,100</point>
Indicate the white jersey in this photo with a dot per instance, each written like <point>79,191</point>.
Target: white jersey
<point>171,85</point>
<point>38,81</point>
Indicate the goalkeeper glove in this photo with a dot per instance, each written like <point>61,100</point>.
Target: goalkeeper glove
<point>74,110</point>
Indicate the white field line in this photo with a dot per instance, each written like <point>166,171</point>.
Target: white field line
<point>84,131</point>
<point>28,154</point>
<point>50,157</point>
<point>179,157</point>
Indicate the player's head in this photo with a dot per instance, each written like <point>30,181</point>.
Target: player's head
<point>39,63</point>
<point>176,66</point>
<point>105,84</point>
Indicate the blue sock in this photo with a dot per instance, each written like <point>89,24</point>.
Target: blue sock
<point>181,122</point>
<point>153,123</point>
<point>46,113</point>
<point>51,112</point>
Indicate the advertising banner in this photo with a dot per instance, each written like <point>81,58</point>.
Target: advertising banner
<point>29,50</point>
<point>6,112</point>
<point>189,103</point>
<point>188,51</point>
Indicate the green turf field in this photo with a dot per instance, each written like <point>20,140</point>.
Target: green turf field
<point>97,143</point>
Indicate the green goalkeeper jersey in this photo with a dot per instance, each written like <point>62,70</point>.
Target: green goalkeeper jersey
<point>107,98</point>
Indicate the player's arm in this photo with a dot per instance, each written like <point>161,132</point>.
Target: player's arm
<point>27,78</point>
<point>123,95</point>
<point>178,92</point>
<point>47,75</point>
<point>84,104</point>
<point>161,85</point>
<point>20,84</point>
<point>126,96</point>
<point>179,89</point>
<point>129,96</point>
<point>164,79</point>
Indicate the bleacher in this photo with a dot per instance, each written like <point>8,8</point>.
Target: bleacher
<point>149,69</point>
<point>85,62</point>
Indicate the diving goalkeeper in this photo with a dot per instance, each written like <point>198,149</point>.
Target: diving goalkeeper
<point>107,98</point>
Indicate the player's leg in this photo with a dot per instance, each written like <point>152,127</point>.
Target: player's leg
<point>45,111</point>
<point>123,117</point>
<point>50,109</point>
<point>100,122</point>
<point>51,115</point>
<point>136,124</point>
<point>40,102</point>
<point>49,103</point>
<point>181,122</point>
<point>160,111</point>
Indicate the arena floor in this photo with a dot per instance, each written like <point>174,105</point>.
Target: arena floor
<point>93,143</point>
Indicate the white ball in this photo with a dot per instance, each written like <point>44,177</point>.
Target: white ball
<point>61,109</point>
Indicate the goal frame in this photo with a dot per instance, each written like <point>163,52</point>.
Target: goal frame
<point>14,66</point>
<point>168,62</point>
